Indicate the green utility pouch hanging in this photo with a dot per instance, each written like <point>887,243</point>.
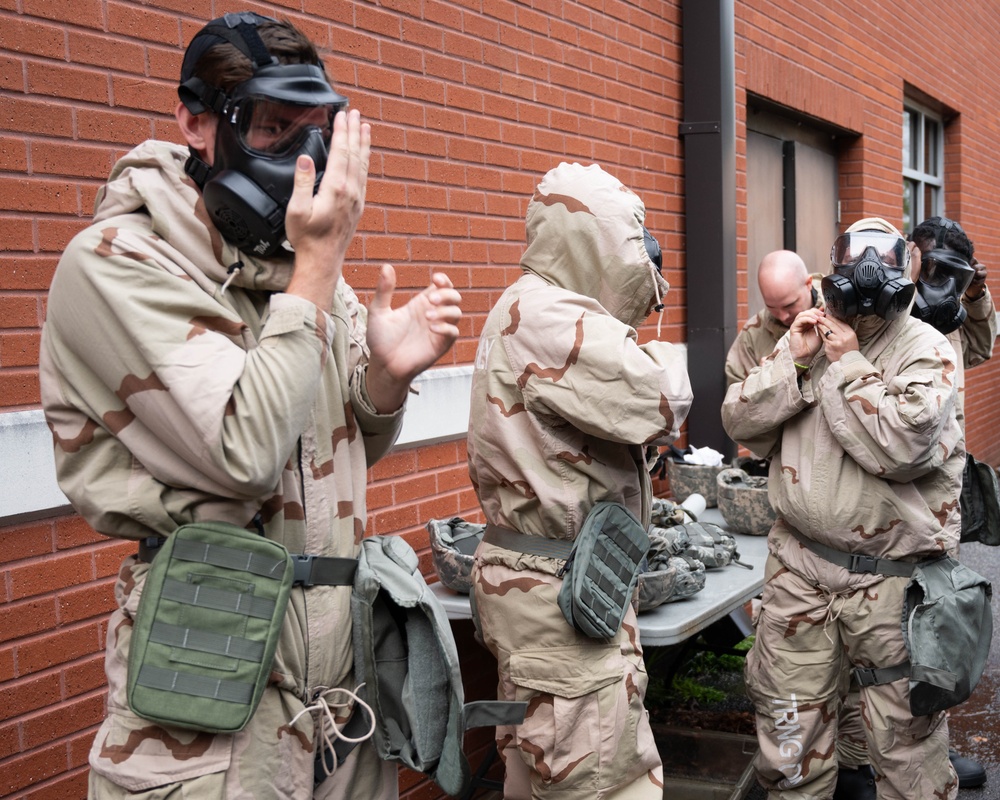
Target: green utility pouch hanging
<point>947,628</point>
<point>407,660</point>
<point>207,627</point>
<point>600,575</point>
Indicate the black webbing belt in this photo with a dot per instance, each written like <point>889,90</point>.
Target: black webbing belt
<point>310,570</point>
<point>524,543</point>
<point>857,562</point>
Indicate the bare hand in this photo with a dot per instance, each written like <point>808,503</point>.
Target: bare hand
<point>804,338</point>
<point>978,285</point>
<point>320,227</point>
<point>405,341</point>
<point>838,338</point>
<point>916,259</point>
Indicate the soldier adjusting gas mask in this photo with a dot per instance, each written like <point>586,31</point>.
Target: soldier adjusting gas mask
<point>868,276</point>
<point>944,277</point>
<point>265,123</point>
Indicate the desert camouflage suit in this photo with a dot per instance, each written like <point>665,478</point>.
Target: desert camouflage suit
<point>974,340</point>
<point>867,457</point>
<point>563,402</point>
<point>759,336</point>
<point>758,339</point>
<point>171,401</point>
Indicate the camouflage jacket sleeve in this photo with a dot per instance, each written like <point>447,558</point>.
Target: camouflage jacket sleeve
<point>979,331</point>
<point>751,345</point>
<point>896,421</point>
<point>756,408</point>
<point>209,400</point>
<point>580,364</point>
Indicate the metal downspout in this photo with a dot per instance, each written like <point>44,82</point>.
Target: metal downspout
<point>709,133</point>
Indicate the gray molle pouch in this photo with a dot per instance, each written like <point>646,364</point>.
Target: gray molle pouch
<point>600,575</point>
<point>207,627</point>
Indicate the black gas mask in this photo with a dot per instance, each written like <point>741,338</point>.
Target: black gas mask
<point>944,277</point>
<point>867,279</point>
<point>265,123</point>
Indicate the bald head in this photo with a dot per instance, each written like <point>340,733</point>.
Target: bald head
<point>785,285</point>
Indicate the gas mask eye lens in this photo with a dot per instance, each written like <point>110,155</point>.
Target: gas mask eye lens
<point>850,248</point>
<point>939,266</point>
<point>270,128</point>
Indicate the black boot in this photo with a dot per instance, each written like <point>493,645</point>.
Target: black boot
<point>855,783</point>
<point>970,773</point>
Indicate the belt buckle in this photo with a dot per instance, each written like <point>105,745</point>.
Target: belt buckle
<point>863,564</point>
<point>865,676</point>
<point>149,546</point>
<point>302,564</point>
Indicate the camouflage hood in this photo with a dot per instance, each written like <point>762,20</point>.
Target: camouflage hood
<point>152,177</point>
<point>563,396</point>
<point>584,232</point>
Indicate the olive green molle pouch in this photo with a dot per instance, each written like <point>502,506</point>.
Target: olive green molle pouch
<point>207,627</point>
<point>601,573</point>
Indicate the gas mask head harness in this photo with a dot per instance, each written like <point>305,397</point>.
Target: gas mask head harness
<point>869,268</point>
<point>265,123</point>
<point>656,256</point>
<point>944,277</point>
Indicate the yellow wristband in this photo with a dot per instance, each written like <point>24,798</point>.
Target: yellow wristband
<point>800,366</point>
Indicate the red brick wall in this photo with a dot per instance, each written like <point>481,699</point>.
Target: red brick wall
<point>470,103</point>
<point>853,68</point>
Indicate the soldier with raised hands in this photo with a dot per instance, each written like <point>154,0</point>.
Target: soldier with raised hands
<point>204,360</point>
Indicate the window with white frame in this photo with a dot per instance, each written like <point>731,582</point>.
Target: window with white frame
<point>923,165</point>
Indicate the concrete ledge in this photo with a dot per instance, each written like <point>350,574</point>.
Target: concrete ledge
<point>440,412</point>
<point>27,468</point>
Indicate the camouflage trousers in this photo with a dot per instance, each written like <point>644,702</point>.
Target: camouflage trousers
<point>797,674</point>
<point>586,735</point>
<point>852,746</point>
<point>269,759</point>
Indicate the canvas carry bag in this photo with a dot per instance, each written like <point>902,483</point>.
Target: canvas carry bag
<point>407,660</point>
<point>947,627</point>
<point>207,627</point>
<point>600,575</point>
<point>980,503</point>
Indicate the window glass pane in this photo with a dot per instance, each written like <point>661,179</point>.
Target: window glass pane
<point>931,142</point>
<point>923,140</point>
<point>931,202</point>
<point>909,192</point>
<point>911,138</point>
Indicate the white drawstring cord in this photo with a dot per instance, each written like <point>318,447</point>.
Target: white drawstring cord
<point>233,271</point>
<point>659,299</point>
<point>321,704</point>
<point>831,615</point>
